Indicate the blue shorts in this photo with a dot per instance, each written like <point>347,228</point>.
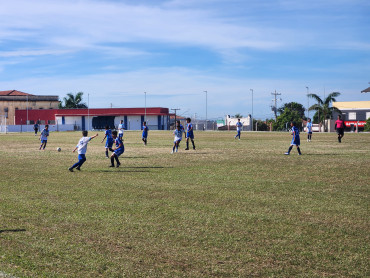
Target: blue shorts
<point>145,135</point>
<point>190,135</point>
<point>44,141</point>
<point>119,151</point>
<point>109,143</point>
<point>296,141</point>
<point>120,135</point>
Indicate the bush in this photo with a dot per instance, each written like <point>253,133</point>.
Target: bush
<point>367,125</point>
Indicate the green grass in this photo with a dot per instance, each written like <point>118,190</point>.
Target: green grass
<point>229,209</point>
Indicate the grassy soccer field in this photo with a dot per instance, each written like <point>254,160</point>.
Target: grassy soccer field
<point>229,209</point>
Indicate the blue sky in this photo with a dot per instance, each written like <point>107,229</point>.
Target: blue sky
<point>175,50</point>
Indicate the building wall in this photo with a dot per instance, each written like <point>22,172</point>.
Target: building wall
<point>11,106</point>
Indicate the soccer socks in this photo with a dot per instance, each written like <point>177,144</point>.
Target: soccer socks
<point>112,161</point>
<point>290,148</point>
<point>187,145</point>
<point>106,153</point>
<point>192,141</point>
<point>117,160</point>
<point>299,151</point>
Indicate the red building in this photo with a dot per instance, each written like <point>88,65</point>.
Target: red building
<point>157,118</point>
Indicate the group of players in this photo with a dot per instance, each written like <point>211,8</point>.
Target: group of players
<point>116,138</point>
<point>339,127</point>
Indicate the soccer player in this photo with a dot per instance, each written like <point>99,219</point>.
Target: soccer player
<point>36,128</point>
<point>44,137</point>
<point>178,137</point>
<point>309,130</point>
<point>189,133</point>
<point>120,149</point>
<point>239,126</point>
<point>82,148</point>
<point>339,126</point>
<point>296,141</point>
<point>144,136</point>
<point>109,142</point>
<point>121,128</point>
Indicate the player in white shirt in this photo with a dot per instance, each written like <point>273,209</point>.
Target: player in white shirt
<point>44,137</point>
<point>178,137</point>
<point>121,128</point>
<point>82,148</point>
<point>239,126</point>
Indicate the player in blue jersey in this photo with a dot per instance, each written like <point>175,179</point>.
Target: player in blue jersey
<point>121,128</point>
<point>296,141</point>
<point>239,126</point>
<point>82,148</point>
<point>44,137</point>
<point>189,133</point>
<point>178,137</point>
<point>120,149</point>
<point>309,130</point>
<point>109,142</point>
<point>144,136</point>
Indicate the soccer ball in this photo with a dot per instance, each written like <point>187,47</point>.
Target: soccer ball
<point>59,149</point>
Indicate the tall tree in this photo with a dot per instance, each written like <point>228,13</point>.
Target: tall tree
<point>73,101</point>
<point>284,119</point>
<point>238,115</point>
<point>293,106</point>
<point>323,107</point>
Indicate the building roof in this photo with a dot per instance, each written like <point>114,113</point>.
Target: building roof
<point>13,93</point>
<point>366,90</point>
<point>347,105</point>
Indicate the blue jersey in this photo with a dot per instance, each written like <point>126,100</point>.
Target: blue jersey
<point>309,126</point>
<point>295,140</point>
<point>189,131</point>
<point>119,143</point>
<point>120,149</point>
<point>108,134</point>
<point>145,131</point>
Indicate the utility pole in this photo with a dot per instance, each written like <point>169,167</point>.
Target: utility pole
<point>275,108</point>
<point>175,109</point>
<point>308,102</point>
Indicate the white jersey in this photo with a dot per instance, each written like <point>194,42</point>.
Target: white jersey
<point>82,145</point>
<point>120,128</point>
<point>178,135</point>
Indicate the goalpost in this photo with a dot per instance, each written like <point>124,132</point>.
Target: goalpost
<point>3,124</point>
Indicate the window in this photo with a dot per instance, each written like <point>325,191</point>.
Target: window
<point>51,122</point>
<point>41,108</point>
<point>352,116</point>
<point>367,115</point>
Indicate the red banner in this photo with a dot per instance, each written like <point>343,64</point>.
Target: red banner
<point>349,123</point>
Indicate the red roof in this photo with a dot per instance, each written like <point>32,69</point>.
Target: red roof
<point>13,93</point>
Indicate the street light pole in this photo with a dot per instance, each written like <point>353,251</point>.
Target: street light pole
<point>308,103</point>
<point>206,110</point>
<point>145,107</point>
<point>252,109</point>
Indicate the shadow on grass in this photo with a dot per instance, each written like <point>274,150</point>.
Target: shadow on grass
<point>147,167</point>
<point>320,154</point>
<point>12,230</point>
<point>120,170</point>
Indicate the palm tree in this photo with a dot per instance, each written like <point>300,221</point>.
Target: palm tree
<point>73,101</point>
<point>323,107</point>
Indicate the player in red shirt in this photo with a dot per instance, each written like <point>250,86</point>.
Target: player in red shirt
<point>339,126</point>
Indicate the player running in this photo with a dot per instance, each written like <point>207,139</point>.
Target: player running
<point>189,134</point>
<point>120,149</point>
<point>109,142</point>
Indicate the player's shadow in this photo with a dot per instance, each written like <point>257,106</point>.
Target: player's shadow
<point>133,157</point>
<point>321,154</point>
<point>12,230</point>
<point>147,167</point>
<point>121,171</point>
